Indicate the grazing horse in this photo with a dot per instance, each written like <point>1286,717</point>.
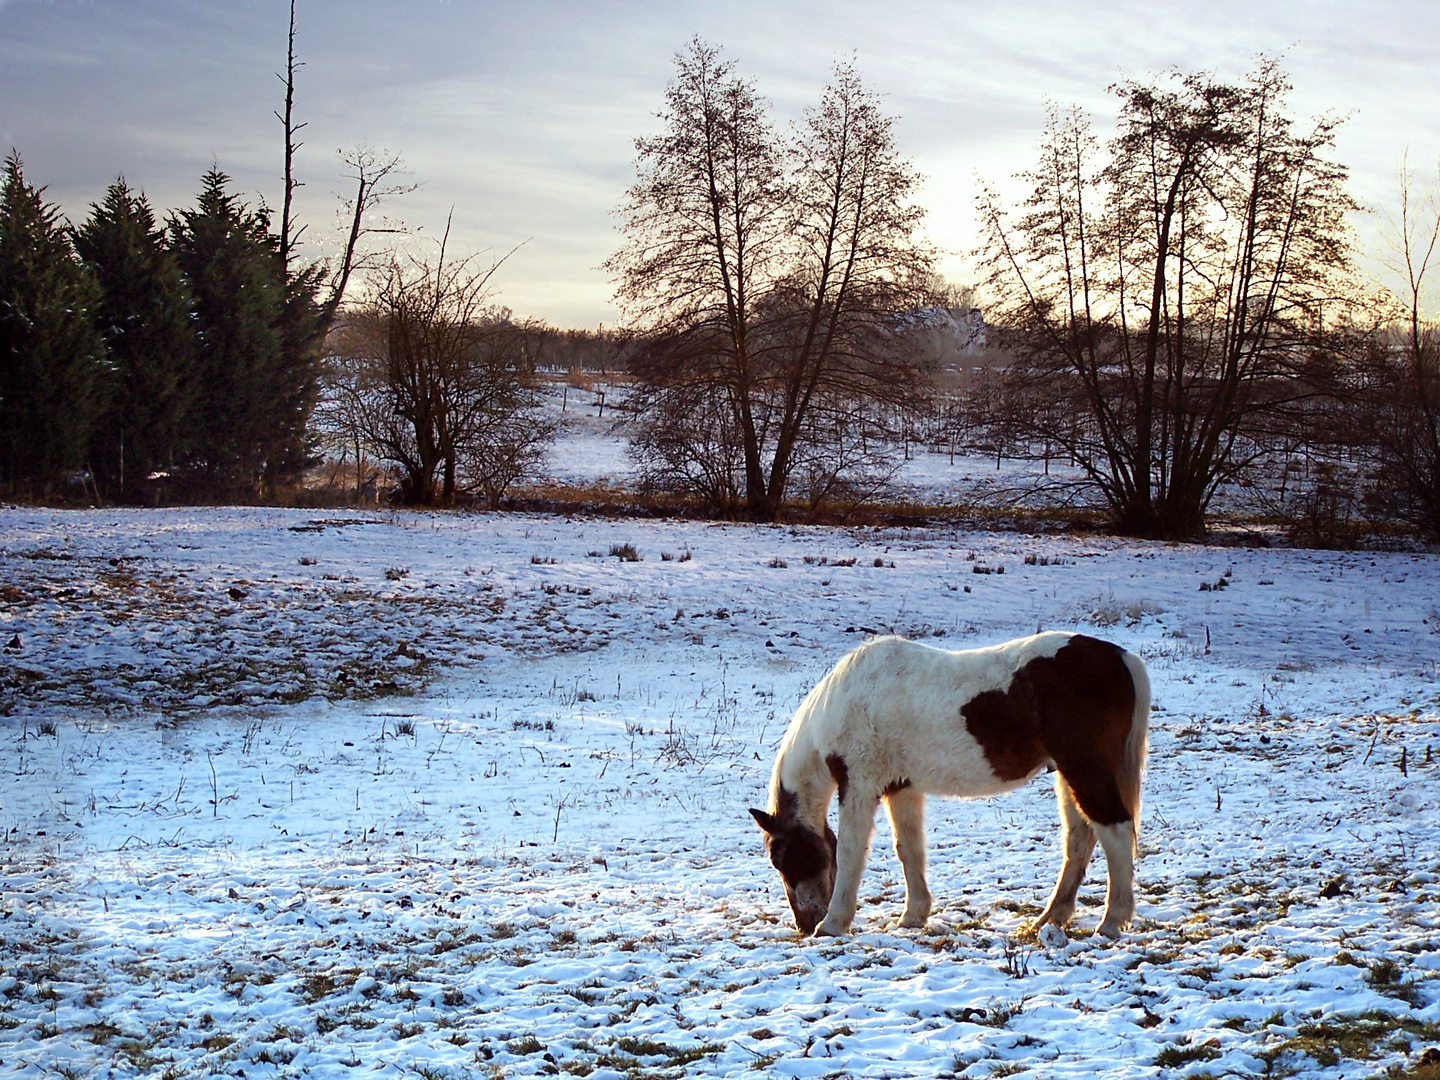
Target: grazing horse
<point>897,720</point>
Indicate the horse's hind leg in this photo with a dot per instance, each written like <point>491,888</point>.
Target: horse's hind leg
<point>855,827</point>
<point>1118,840</point>
<point>906,808</point>
<point>1077,839</point>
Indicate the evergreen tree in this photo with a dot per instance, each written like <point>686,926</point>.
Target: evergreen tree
<point>242,418</point>
<point>51,357</point>
<point>144,317</point>
<point>305,321</point>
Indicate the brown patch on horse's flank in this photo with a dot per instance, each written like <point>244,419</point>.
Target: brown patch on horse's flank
<point>1074,708</point>
<point>1006,724</point>
<point>894,787</point>
<point>841,772</point>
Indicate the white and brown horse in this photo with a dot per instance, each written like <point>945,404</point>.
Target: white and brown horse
<point>896,720</point>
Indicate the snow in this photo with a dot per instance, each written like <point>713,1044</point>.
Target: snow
<point>591,449</point>
<point>464,795</point>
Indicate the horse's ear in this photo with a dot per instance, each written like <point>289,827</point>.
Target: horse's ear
<point>765,821</point>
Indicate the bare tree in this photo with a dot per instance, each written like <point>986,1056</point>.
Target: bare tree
<point>508,438</point>
<point>378,176</point>
<point>434,379</point>
<point>765,275</point>
<point>1401,371</point>
<point>1160,296</point>
<point>314,289</point>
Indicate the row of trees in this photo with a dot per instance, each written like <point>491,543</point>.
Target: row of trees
<point>129,348</point>
<point>135,352</point>
<point>1178,307</point>
<point>190,356</point>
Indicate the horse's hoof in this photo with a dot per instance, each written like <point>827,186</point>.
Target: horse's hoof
<point>1052,937</point>
<point>1059,915</point>
<point>1113,931</point>
<point>912,922</point>
<point>825,929</point>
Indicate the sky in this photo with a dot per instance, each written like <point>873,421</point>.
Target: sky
<point>518,120</point>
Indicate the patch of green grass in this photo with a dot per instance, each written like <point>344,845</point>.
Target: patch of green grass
<point>459,941</point>
<point>1428,1068</point>
<point>1174,1056</point>
<point>138,1054</point>
<point>1388,978</point>
<point>1356,1038</point>
<point>1155,957</point>
<point>619,1062</point>
<point>101,1033</point>
<point>677,1055</point>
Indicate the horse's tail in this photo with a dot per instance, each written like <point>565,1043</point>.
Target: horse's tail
<point>1137,742</point>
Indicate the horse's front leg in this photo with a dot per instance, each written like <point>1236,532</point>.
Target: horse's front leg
<point>907,820</point>
<point>856,825</point>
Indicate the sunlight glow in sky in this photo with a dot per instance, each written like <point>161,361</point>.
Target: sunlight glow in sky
<point>522,117</point>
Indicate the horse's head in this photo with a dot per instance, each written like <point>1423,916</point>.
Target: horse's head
<point>805,859</point>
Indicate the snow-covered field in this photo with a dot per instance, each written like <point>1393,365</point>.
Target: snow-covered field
<point>591,450</point>
<point>295,793</point>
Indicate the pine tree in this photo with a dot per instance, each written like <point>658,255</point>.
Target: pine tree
<point>144,317</point>
<point>51,358</point>
<point>232,265</point>
<point>304,323</point>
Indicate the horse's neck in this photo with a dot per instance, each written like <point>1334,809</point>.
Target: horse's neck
<point>801,771</point>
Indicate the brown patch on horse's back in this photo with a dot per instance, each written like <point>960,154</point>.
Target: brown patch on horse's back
<point>1087,705</point>
<point>841,772</point>
<point>1075,709</point>
<point>894,787</point>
